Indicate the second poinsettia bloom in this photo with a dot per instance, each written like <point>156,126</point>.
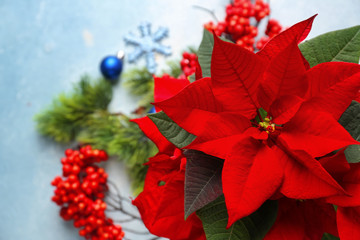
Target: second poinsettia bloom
<point>270,116</point>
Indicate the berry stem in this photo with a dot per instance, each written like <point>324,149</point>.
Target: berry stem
<point>118,201</point>
<point>115,208</point>
<point>154,238</point>
<point>211,12</point>
<point>123,220</point>
<point>134,231</point>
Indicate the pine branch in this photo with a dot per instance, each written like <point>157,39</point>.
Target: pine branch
<point>66,116</point>
<point>138,81</point>
<point>174,68</point>
<point>82,115</point>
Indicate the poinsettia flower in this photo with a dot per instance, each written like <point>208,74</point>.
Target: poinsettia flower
<point>161,204</point>
<point>303,219</point>
<point>273,153</point>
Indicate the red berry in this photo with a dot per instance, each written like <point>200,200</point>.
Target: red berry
<point>72,178</point>
<point>68,152</point>
<point>76,169</point>
<point>63,160</point>
<point>66,169</point>
<point>82,232</point>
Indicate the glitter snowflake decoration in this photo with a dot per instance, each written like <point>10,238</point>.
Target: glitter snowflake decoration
<point>147,44</point>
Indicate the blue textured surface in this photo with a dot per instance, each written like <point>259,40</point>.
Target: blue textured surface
<point>46,45</point>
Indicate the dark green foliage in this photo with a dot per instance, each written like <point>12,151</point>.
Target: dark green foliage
<point>214,217</point>
<point>263,114</point>
<point>205,53</point>
<point>350,120</point>
<point>202,180</point>
<point>328,236</point>
<point>169,129</point>
<point>68,114</point>
<point>336,46</point>
<point>192,78</point>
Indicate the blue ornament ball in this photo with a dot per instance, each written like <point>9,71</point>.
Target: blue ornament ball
<point>111,67</point>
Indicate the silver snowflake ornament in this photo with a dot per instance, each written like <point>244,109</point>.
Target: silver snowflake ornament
<point>147,44</point>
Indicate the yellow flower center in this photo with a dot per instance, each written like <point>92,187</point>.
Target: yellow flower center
<point>267,125</point>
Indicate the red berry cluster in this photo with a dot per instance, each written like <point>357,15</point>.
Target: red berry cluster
<point>81,192</point>
<point>188,63</point>
<point>237,22</point>
<point>261,10</point>
<point>273,28</point>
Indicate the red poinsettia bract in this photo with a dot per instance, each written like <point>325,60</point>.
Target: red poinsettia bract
<point>303,220</point>
<point>161,204</point>
<point>348,206</point>
<point>276,153</point>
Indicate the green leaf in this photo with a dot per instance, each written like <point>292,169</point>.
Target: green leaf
<point>263,114</point>
<point>254,227</point>
<point>171,131</point>
<point>205,52</point>
<point>337,46</point>
<point>328,236</point>
<point>192,78</point>
<point>202,180</point>
<point>352,154</point>
<point>350,120</point>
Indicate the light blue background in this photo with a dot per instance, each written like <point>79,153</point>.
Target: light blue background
<point>46,45</point>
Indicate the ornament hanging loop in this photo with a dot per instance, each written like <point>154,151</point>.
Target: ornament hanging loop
<point>120,54</point>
